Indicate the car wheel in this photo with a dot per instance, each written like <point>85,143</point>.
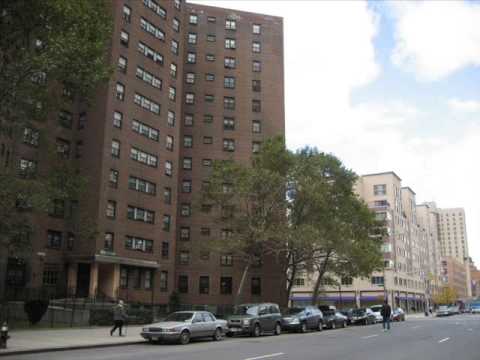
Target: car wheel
<point>344,324</point>
<point>184,337</point>
<point>334,326</point>
<point>303,328</point>
<point>278,329</point>
<point>256,331</point>
<point>320,326</point>
<point>218,335</point>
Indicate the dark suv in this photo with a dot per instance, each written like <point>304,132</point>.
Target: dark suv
<point>255,319</point>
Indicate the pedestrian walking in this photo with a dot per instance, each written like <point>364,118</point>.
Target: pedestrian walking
<point>386,313</point>
<point>119,317</point>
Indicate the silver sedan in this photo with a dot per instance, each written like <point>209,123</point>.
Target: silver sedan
<point>182,326</point>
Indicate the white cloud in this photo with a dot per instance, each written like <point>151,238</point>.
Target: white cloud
<point>464,105</point>
<point>436,38</point>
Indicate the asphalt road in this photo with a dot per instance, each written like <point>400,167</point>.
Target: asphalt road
<point>447,338</point>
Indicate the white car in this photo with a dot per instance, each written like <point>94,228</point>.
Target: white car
<point>475,309</point>
<point>377,311</point>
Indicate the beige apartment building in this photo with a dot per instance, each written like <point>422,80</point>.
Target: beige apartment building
<point>454,275</point>
<point>407,248</point>
<point>453,237</point>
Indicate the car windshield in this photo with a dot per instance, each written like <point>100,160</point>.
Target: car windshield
<point>376,308</point>
<point>443,308</point>
<point>246,310</point>
<point>358,312</point>
<point>329,312</point>
<point>179,316</point>
<point>294,311</point>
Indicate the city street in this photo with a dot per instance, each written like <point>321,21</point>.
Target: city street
<point>447,338</point>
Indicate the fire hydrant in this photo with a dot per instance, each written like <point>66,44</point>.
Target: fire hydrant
<point>4,336</point>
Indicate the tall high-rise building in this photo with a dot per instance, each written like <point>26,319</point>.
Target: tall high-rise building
<point>192,84</point>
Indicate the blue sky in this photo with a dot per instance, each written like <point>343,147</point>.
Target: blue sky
<point>387,86</point>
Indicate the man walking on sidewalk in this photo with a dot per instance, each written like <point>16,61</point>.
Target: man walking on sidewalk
<point>119,317</point>
<point>386,314</point>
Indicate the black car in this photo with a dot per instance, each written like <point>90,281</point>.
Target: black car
<point>363,316</point>
<point>349,315</point>
<point>255,319</point>
<point>333,319</point>
<point>303,319</point>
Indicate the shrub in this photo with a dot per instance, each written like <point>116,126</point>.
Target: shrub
<point>35,309</point>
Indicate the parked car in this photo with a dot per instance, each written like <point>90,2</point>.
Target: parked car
<point>398,315</point>
<point>255,319</point>
<point>475,308</point>
<point>303,319</point>
<point>333,319</point>
<point>454,310</point>
<point>377,310</point>
<point>182,326</point>
<point>443,311</point>
<point>348,313</point>
<point>363,316</point>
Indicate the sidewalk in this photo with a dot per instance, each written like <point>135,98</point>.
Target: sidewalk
<point>33,341</point>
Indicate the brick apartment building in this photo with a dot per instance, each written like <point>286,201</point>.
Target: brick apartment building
<point>191,84</point>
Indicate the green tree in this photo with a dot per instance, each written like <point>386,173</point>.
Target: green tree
<point>249,202</point>
<point>446,296</point>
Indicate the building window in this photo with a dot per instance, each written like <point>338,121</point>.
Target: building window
<point>142,185</point>
<point>188,141</point>
<point>208,118</point>
<point>65,119</point>
<point>230,44</point>
<point>204,285</point>
<point>108,241</point>
<point>138,244</point>
<point>166,222</point>
<point>122,64</point>
<point>127,14</point>
<point>184,257</point>
<point>174,47</point>
<point>27,168</point>
<point>172,93</point>
<point>157,9</point>
<point>256,85</point>
<point>123,277</point>
<point>228,123</point>
<point>256,146</point>
<point>177,4</point>
<point>143,157</point>
<point>230,24</point>
<point>229,103</point>
<point>188,120</point>
<point>191,58</point>
<point>209,98</point>
<point>82,120</point>
<point>167,195</point>
<point>299,282</point>
<point>163,281</point>
<point>256,106</point>
<point>139,214</point>
<point>229,82</point>
<point>50,274</point>
<point>184,233</point>
<point>193,19</point>
<point>190,98</point>
<point>176,24</point>
<point>190,78</point>
<point>169,143</point>
<point>209,77</point>
<point>256,66</point>
<point>256,126</point>
<point>173,70</point>
<point>165,250</point>
<point>117,119</point>
<point>192,38</point>
<point>211,38</point>
<point>226,285</point>
<point>149,78</point>
<point>208,140</point>
<point>63,148</point>
<point>187,163</point>
<point>147,279</point>
<point>212,19</point>
<point>380,189</point>
<point>111,211</point>
<point>256,286</point>
<point>113,178</point>
<point>171,118</point>
<point>148,27</point>
<point>116,148</point>
<point>150,53</point>
<point>207,162</point>
<point>146,103</point>
<point>228,145</point>
<point>183,284</point>
<point>226,260</point>
<point>54,239</point>
<point>205,231</point>
<point>31,136</point>
<point>145,130</point>
<point>256,48</point>
<point>187,186</point>
<point>256,29</point>
<point>230,63</point>
<point>168,168</point>
<point>377,280</point>
<point>124,38</point>
<point>120,91</point>
<point>347,280</point>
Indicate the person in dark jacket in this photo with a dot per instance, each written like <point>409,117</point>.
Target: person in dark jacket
<point>386,315</point>
<point>119,317</point>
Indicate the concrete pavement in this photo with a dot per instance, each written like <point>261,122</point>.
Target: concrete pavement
<point>420,338</point>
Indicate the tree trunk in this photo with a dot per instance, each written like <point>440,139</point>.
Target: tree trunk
<point>290,280</point>
<point>321,272</point>
<point>240,286</point>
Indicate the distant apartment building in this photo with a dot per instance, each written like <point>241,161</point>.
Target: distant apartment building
<point>454,275</point>
<point>404,282</point>
<point>192,84</point>
<point>475,280</point>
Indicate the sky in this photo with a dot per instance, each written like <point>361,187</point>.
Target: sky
<point>387,86</point>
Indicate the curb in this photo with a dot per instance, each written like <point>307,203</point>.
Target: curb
<point>68,348</point>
